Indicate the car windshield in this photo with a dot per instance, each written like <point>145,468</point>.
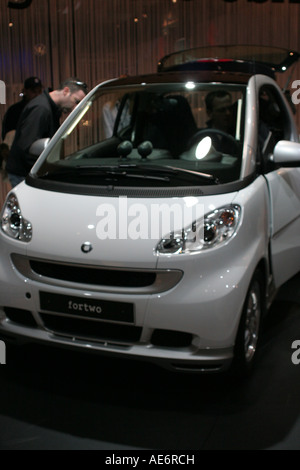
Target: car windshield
<point>151,135</point>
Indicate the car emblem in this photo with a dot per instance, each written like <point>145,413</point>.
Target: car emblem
<point>86,247</point>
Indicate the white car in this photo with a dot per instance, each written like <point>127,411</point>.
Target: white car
<point>163,216</point>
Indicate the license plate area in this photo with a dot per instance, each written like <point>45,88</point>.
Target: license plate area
<point>87,308</point>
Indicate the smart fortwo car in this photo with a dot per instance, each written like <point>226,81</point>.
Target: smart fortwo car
<point>162,217</point>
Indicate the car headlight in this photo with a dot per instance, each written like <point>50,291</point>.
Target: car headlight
<point>13,223</point>
<point>215,228</point>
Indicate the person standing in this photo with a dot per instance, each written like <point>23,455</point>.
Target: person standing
<point>41,119</point>
<point>32,88</point>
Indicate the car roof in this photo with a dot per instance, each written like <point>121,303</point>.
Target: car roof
<point>234,64</point>
<point>224,66</point>
<point>200,76</point>
<point>246,58</point>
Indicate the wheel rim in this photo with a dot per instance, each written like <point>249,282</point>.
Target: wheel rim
<point>252,322</point>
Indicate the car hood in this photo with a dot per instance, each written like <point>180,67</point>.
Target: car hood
<point>108,231</point>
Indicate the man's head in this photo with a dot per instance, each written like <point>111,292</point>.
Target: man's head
<point>69,94</point>
<point>32,88</point>
<point>219,110</point>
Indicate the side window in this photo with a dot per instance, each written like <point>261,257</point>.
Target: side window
<point>123,118</point>
<point>271,123</point>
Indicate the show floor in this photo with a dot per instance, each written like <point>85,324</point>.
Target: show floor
<point>59,400</point>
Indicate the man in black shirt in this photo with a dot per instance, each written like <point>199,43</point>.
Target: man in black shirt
<point>32,88</point>
<point>41,119</point>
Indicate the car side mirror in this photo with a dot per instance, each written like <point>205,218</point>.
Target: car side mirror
<point>39,146</point>
<point>286,153</point>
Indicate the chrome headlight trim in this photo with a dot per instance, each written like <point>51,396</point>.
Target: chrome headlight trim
<point>13,224</point>
<point>214,229</point>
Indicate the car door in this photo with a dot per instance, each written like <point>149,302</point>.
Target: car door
<point>275,124</point>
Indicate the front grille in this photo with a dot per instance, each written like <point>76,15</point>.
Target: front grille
<point>90,275</point>
<point>93,330</point>
<point>100,278</point>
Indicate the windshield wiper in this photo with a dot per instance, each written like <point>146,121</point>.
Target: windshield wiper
<point>175,170</point>
<point>196,173</point>
<point>122,170</point>
<point>114,171</point>
<point>169,170</point>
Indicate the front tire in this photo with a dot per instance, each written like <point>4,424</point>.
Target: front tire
<point>248,336</point>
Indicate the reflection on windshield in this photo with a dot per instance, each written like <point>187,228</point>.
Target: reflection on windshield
<point>198,129</point>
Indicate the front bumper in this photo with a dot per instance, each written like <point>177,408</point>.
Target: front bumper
<point>176,322</point>
<point>182,359</point>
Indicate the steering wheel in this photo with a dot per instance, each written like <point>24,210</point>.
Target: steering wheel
<point>214,133</point>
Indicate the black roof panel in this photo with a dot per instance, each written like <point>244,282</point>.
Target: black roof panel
<point>246,58</point>
<point>182,76</point>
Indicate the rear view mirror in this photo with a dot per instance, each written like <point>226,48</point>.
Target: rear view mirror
<point>39,146</point>
<point>287,153</point>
